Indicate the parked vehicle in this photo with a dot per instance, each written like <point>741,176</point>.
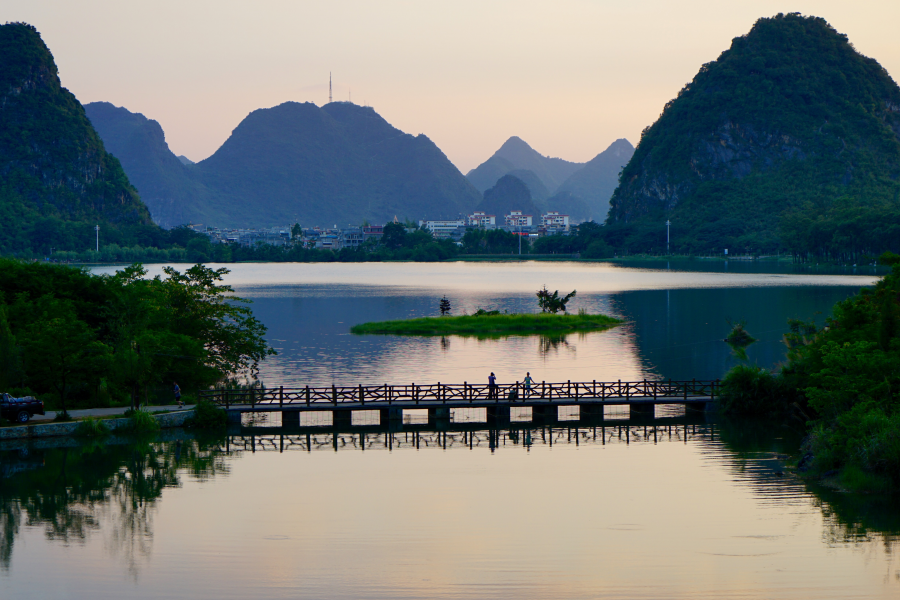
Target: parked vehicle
<point>20,410</point>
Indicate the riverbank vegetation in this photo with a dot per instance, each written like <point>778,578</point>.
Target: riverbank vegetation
<point>842,381</point>
<point>81,340</point>
<point>490,323</point>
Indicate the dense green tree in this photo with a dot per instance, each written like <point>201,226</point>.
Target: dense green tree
<point>394,236</point>
<point>60,350</point>
<point>90,337</point>
<point>843,380</point>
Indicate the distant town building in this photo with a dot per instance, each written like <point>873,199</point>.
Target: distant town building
<point>373,232</point>
<point>351,238</point>
<point>328,241</point>
<point>516,219</point>
<point>479,219</point>
<point>553,221</point>
<point>443,229</point>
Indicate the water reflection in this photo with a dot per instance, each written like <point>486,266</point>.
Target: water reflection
<point>669,334</point>
<point>114,489</point>
<point>76,490</point>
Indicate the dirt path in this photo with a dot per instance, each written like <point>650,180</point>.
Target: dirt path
<point>105,412</point>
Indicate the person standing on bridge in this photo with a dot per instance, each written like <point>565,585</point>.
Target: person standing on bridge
<point>528,381</point>
<point>492,386</point>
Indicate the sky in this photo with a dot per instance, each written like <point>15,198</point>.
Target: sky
<point>568,76</point>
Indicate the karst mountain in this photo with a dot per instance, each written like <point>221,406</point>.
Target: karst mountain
<point>340,164</point>
<point>790,138</point>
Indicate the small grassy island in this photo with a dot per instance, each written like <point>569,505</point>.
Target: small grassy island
<point>491,323</point>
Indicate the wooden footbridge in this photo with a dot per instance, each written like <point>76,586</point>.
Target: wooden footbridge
<point>544,399</point>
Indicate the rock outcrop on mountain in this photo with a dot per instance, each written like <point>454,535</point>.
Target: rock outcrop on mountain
<point>57,181</point>
<point>338,164</point>
<point>788,126</point>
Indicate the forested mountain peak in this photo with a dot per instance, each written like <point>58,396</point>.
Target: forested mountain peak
<point>508,194</point>
<point>784,123</point>
<point>56,179</point>
<point>295,162</point>
<point>338,164</point>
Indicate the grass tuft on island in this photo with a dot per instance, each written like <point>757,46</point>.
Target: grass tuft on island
<point>490,323</point>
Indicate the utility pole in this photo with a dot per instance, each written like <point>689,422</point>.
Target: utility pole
<point>667,235</point>
<point>97,229</point>
<point>520,238</point>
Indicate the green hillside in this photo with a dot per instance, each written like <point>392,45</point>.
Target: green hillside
<point>56,179</point>
<point>789,140</point>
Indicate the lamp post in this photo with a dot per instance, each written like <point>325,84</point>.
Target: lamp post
<point>667,235</point>
<point>97,229</point>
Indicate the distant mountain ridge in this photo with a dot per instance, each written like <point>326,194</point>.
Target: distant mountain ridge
<point>166,186</point>
<point>596,181</point>
<point>333,165</point>
<point>582,190</point>
<point>514,154</point>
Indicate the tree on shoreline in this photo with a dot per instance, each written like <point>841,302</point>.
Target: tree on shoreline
<point>75,329</point>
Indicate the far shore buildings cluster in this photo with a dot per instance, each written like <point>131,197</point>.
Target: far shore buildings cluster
<point>336,238</point>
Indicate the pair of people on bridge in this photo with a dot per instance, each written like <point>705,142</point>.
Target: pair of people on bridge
<point>493,388</point>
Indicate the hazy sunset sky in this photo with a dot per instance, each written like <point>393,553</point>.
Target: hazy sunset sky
<point>568,76</point>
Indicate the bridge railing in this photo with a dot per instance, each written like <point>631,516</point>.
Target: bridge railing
<point>471,393</point>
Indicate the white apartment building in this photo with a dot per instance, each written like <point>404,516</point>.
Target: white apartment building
<point>517,219</point>
<point>479,219</point>
<point>442,229</point>
<point>554,220</point>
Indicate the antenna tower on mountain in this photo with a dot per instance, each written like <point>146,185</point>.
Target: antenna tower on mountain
<point>330,100</point>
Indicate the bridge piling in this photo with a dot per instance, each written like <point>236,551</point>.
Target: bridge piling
<point>391,415</point>
<point>590,412</point>
<point>546,414</point>
<point>439,417</point>
<point>498,416</point>
<point>342,418</point>
<point>643,411</point>
<point>290,418</point>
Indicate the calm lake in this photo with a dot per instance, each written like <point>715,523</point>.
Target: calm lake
<point>677,508</point>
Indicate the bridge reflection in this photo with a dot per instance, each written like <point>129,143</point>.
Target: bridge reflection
<point>469,435</point>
